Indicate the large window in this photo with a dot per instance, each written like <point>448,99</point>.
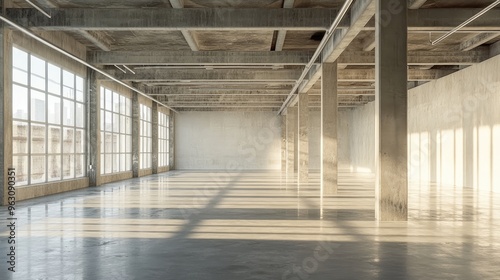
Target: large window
<point>116,132</point>
<point>48,110</point>
<point>163,139</point>
<point>146,137</point>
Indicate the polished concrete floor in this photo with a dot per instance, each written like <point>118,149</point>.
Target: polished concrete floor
<point>216,225</point>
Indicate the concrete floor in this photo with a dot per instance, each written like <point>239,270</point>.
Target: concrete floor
<point>204,225</point>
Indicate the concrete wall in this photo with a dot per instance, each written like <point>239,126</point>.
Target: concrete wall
<point>315,139</point>
<point>362,139</point>
<point>227,141</point>
<point>454,129</point>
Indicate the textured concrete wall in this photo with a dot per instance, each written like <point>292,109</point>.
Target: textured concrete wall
<point>362,139</point>
<point>315,139</point>
<point>228,141</point>
<point>454,129</point>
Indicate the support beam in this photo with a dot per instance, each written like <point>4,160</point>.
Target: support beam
<point>391,108</point>
<point>198,58</point>
<point>136,120</point>
<point>188,36</point>
<point>291,119</point>
<point>369,43</point>
<point>154,138</point>
<point>495,49</point>
<point>303,134</point>
<point>97,39</point>
<point>415,4</point>
<point>94,151</point>
<point>329,116</point>
<point>477,41</point>
<point>176,19</point>
<point>202,75</point>
<point>280,39</point>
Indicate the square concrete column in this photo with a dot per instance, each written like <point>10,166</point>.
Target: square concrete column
<point>93,127</point>
<point>329,116</point>
<point>303,138</point>
<point>154,138</point>
<point>171,145</point>
<point>136,120</point>
<point>291,118</point>
<point>5,111</point>
<point>391,111</point>
<point>283,143</point>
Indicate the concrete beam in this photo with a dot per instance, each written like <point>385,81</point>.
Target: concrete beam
<point>421,57</point>
<point>190,40</point>
<point>477,41</point>
<point>415,4</point>
<point>198,58</point>
<point>369,43</point>
<point>280,39</point>
<point>202,75</point>
<point>495,49</point>
<point>97,39</point>
<point>177,19</point>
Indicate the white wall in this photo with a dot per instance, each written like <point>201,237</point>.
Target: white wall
<point>228,141</point>
<point>454,128</point>
<point>362,139</point>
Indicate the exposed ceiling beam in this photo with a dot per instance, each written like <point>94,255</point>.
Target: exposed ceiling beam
<point>361,13</point>
<point>97,39</point>
<point>280,38</point>
<point>194,76</point>
<point>415,4</point>
<point>477,41</point>
<point>198,58</point>
<point>369,43</point>
<point>217,75</point>
<point>190,40</point>
<point>176,19</point>
<point>495,49</point>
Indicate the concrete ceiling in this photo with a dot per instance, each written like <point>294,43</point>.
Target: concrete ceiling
<point>247,55</point>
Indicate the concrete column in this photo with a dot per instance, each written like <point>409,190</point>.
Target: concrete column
<point>290,139</point>
<point>154,136</point>
<point>329,124</point>
<point>5,111</point>
<point>283,143</point>
<point>171,121</point>
<point>136,118</point>
<point>93,128</point>
<point>391,111</point>
<point>303,138</point>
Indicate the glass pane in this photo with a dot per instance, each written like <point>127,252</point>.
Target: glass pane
<point>68,92</point>
<point>109,121</point>
<point>19,102</point>
<point>109,164</point>
<point>68,112</point>
<point>116,143</point>
<point>37,73</point>
<point>80,115</point>
<point>20,59</point>
<point>20,138</point>
<point>128,125</point>
<point>122,143</point>
<point>37,106</point>
<point>54,79</point>
<point>122,124</point>
<point>116,102</point>
<point>103,123</point>
<point>37,139</point>
<point>102,146</point>
<point>116,162</point>
<point>79,89</point>
<point>38,82</point>
<point>79,141</point>
<point>122,105</point>
<point>128,108</point>
<point>102,105</point>
<point>109,100</point>
<point>102,163</point>
<point>37,169</point>
<point>109,142</point>
<point>19,76</point>
<point>129,143</point>
<point>69,84</point>
<point>116,123</point>
<point>54,109</point>
<point>54,170</point>
<point>20,163</point>
<point>54,140</point>
<point>79,165</point>
<point>68,140</point>
<point>123,164</point>
<point>68,166</point>
<point>128,162</point>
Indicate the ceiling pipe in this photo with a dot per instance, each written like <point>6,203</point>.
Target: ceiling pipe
<point>343,11</point>
<point>72,56</point>
<point>118,67</point>
<point>38,8</point>
<point>126,67</point>
<point>440,39</point>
